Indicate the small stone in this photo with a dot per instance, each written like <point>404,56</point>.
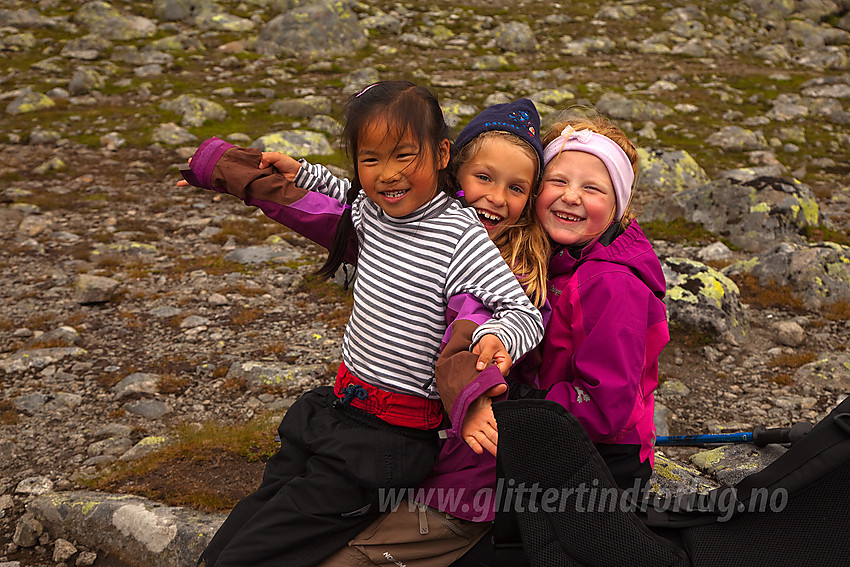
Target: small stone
<point>150,409</point>
<point>63,550</point>
<point>670,388</point>
<point>789,333</point>
<point>217,300</point>
<point>95,289</point>
<point>27,531</point>
<point>86,559</point>
<point>34,485</point>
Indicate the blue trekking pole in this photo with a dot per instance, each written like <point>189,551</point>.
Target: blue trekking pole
<point>759,436</point>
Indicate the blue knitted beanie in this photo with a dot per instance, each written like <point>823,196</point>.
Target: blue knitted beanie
<point>519,117</point>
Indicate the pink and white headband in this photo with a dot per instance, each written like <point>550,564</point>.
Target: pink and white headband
<point>612,155</point>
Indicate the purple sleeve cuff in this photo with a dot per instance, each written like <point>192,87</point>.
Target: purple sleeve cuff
<point>489,377</point>
<point>468,307</point>
<point>206,156</point>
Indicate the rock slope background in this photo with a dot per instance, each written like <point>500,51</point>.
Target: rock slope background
<point>135,313</point>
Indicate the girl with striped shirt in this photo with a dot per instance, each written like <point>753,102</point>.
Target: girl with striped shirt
<point>417,251</point>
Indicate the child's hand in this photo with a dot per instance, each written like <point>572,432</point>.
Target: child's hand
<point>491,349</point>
<point>183,182</point>
<point>283,163</point>
<point>479,426</point>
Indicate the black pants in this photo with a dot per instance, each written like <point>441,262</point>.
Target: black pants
<point>320,489</point>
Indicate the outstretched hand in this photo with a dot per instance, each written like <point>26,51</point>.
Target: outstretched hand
<point>491,349</point>
<point>479,428</point>
<point>183,182</point>
<point>283,163</point>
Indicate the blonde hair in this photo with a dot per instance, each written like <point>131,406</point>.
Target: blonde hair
<point>582,118</point>
<point>524,245</point>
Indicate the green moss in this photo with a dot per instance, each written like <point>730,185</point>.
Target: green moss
<point>678,230</point>
<point>822,233</point>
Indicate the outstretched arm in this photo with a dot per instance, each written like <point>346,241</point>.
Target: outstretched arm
<point>225,168</point>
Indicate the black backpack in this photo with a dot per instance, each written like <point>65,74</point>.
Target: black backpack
<point>795,512</point>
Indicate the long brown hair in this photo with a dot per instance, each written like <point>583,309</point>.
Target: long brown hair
<point>524,245</point>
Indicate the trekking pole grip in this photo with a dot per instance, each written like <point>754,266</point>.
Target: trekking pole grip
<point>763,436</point>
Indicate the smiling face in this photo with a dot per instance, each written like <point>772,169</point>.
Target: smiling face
<point>576,201</point>
<point>396,172</point>
<point>497,180</point>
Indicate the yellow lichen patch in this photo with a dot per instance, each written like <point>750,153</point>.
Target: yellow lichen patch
<point>709,459</point>
<point>152,441</point>
<point>712,288</point>
<point>810,209</point>
<point>678,293</point>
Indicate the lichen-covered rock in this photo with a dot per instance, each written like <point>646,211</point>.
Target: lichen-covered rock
<point>552,97</point>
<point>295,143</point>
<point>588,46</point>
<point>701,298</point>
<point>834,57</point>
<point>27,531</point>
<point>195,110</point>
<point>174,10</point>
<point>84,80</point>
<point>102,17</point>
<point>618,106</point>
<point>771,8</point>
<point>224,22</point>
<point>317,30</point>
<point>817,273</point>
<point>830,369</point>
<point>134,529</point>
<point>282,252</point>
<point>137,383</point>
<point>172,134</point>
<point>95,289</point>
<point>36,359</point>
<point>730,464</point>
<point>383,22</point>
<point>753,214</point>
<point>27,18</point>
<point>29,101</point>
<point>288,377</point>
<point>669,171</point>
<point>145,446</point>
<point>516,36</point>
<point>737,139</point>
<point>671,478</point>
<point>305,107</point>
<point>61,336</point>
<point>826,87</point>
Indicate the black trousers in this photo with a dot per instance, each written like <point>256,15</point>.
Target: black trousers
<point>320,489</point>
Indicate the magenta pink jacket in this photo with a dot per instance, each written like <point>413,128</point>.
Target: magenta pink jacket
<point>599,358</point>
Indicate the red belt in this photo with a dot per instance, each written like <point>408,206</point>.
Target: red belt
<point>393,407</point>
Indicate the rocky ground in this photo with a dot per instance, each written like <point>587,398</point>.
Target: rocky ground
<point>132,308</point>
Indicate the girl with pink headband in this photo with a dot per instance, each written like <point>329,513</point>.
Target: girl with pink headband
<point>600,352</point>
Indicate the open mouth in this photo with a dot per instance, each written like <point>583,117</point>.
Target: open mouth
<point>395,195</point>
<point>568,217</point>
<point>488,219</point>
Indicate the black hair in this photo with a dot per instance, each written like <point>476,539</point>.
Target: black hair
<point>405,106</point>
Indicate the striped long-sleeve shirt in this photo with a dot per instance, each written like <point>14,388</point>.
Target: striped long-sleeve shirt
<point>408,269</point>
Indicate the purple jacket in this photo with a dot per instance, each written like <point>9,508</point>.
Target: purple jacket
<point>599,357</point>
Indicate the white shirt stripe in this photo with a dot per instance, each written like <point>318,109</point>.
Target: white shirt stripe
<point>408,268</point>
